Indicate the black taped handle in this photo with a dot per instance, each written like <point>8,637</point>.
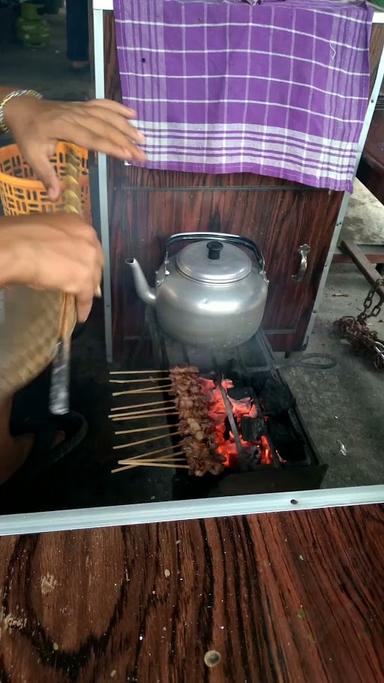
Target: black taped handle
<point>214,250</point>
<point>221,237</point>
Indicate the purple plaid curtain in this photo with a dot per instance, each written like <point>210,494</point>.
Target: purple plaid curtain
<point>278,87</point>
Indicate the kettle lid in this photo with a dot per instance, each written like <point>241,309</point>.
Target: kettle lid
<point>213,262</point>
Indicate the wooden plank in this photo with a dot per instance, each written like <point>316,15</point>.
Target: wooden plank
<point>373,252</point>
<point>292,597</point>
<point>364,265</point>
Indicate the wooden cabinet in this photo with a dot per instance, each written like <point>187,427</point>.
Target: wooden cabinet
<point>148,206</point>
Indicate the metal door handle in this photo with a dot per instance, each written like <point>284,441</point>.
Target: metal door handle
<point>303,250</point>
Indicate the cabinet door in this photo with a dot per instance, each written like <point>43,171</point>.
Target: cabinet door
<point>308,218</point>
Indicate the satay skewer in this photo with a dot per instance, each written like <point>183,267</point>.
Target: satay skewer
<point>143,405</point>
<point>190,369</point>
<point>156,462</point>
<point>148,413</point>
<point>142,441</point>
<point>137,416</point>
<point>149,391</point>
<point>112,416</point>
<point>174,455</point>
<point>149,454</point>
<point>139,381</point>
<point>142,429</point>
<point>162,465</point>
<point>137,372</point>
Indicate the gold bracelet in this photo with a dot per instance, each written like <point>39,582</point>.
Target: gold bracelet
<point>14,93</point>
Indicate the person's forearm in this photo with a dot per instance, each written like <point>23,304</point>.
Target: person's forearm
<point>14,103</point>
<point>5,90</point>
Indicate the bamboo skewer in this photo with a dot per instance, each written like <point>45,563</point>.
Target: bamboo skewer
<point>143,391</point>
<point>112,416</point>
<point>142,429</point>
<point>152,438</point>
<point>139,381</point>
<point>165,449</point>
<point>126,418</point>
<point>158,413</point>
<point>143,405</point>
<point>155,463</point>
<point>137,372</point>
<point>164,465</point>
<point>177,455</point>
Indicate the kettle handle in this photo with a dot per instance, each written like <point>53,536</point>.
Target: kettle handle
<point>220,236</point>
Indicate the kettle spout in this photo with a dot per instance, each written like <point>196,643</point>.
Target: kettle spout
<point>143,290</point>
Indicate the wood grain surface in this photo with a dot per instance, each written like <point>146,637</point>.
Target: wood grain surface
<point>295,597</point>
<point>371,169</point>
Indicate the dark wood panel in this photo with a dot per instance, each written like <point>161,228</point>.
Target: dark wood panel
<point>376,47</point>
<point>292,598</point>
<point>372,178</point>
<point>371,168</point>
<point>145,179</point>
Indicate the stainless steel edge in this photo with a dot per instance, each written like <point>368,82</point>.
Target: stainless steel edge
<point>378,17</point>
<point>170,511</point>
<point>98,28</point>
<point>344,204</point>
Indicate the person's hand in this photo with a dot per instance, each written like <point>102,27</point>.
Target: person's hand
<point>52,251</point>
<point>97,125</point>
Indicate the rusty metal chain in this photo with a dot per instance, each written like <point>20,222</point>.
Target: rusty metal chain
<point>357,332</point>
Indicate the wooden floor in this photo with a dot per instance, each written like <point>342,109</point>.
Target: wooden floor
<point>285,597</point>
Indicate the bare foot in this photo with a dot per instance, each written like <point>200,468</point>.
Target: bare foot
<point>80,66</point>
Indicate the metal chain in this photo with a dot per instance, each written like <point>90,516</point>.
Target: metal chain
<point>357,332</point>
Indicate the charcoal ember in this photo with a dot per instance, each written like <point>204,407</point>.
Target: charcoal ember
<point>249,459</point>
<point>275,397</point>
<point>252,428</point>
<point>240,393</point>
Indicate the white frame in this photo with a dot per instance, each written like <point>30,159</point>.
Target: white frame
<point>181,510</point>
<point>117,515</point>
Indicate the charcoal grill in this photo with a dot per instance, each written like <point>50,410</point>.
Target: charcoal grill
<point>156,496</point>
<point>252,365</point>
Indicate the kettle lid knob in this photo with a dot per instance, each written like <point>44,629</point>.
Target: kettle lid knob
<point>214,250</point>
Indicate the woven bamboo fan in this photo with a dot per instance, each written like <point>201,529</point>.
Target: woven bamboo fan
<point>32,321</point>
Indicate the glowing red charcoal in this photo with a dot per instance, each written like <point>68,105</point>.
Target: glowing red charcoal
<point>266,452</point>
<point>225,444</point>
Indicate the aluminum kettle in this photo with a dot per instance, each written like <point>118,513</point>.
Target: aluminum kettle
<point>211,292</point>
